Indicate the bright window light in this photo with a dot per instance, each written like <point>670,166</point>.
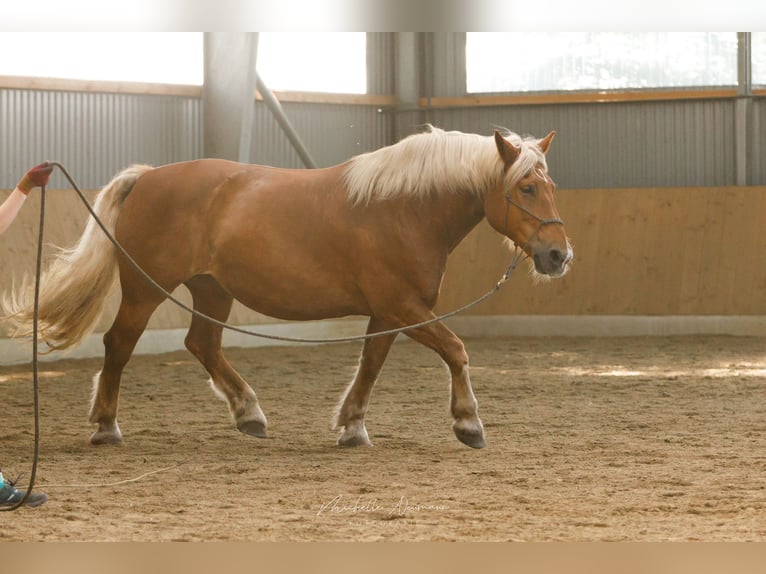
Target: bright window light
<point>154,57</point>
<point>758,44</point>
<point>522,62</point>
<point>334,62</point>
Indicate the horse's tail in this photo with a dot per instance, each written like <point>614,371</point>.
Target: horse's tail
<point>74,289</point>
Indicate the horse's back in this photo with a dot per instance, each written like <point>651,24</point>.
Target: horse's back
<point>182,183</point>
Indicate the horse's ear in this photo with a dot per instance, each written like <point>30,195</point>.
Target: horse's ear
<point>507,150</point>
<point>545,143</point>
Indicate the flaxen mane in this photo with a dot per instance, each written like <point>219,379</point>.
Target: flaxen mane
<point>436,161</point>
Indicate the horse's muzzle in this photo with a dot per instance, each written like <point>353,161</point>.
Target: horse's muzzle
<point>552,261</point>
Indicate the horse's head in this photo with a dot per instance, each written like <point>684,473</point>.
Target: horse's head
<point>522,206</point>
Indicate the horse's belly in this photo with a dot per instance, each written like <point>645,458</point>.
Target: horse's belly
<point>300,306</point>
<point>297,296</point>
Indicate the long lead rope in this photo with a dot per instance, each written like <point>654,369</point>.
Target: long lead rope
<point>35,368</point>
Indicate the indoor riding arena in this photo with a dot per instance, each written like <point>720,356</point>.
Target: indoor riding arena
<point>620,383</point>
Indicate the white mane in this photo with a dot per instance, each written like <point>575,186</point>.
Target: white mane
<point>436,161</point>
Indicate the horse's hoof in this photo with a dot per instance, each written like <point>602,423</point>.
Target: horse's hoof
<point>253,428</point>
<point>103,436</point>
<point>470,433</point>
<point>354,434</point>
<point>354,440</point>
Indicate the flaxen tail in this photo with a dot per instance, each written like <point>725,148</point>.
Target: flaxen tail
<point>74,289</point>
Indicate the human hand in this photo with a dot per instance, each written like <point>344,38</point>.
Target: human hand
<point>35,177</point>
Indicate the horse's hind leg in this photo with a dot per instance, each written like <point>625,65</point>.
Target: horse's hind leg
<point>204,341</point>
<point>353,407</point>
<point>119,343</point>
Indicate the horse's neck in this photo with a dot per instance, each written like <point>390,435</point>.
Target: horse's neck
<point>454,216</point>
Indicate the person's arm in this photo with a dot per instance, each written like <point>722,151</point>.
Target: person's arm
<point>10,208</point>
<point>35,177</point>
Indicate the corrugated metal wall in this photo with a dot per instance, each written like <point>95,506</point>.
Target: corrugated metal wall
<point>444,55</point>
<point>381,48</point>
<point>94,134</point>
<point>687,143</point>
<point>331,133</point>
<point>677,143</point>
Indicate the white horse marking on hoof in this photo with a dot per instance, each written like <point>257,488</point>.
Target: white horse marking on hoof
<point>107,434</point>
<point>354,434</point>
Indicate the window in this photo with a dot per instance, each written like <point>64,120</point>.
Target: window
<point>522,62</point>
<point>758,49</point>
<point>156,57</point>
<point>333,62</point>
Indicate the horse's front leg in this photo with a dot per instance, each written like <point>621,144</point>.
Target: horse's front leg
<point>463,405</point>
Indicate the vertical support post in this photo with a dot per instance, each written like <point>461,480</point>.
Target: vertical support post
<point>228,94</point>
<point>407,80</point>
<point>743,109</point>
<point>407,85</point>
<point>248,99</point>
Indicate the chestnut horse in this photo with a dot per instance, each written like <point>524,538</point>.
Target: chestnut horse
<point>367,237</point>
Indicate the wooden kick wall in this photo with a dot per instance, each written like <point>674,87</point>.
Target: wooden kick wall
<point>647,251</point>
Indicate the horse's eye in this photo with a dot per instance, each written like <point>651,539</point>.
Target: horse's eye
<point>528,189</point>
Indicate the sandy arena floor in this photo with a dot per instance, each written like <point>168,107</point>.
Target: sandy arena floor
<point>588,439</point>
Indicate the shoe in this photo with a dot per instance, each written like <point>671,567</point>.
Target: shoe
<point>10,496</point>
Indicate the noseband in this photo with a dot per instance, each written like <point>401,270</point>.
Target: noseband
<point>540,221</point>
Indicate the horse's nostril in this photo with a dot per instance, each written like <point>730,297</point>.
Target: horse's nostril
<point>557,257</point>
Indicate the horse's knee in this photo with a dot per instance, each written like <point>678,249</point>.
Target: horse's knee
<point>456,358</point>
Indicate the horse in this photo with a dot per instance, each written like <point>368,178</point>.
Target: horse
<point>369,237</point>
